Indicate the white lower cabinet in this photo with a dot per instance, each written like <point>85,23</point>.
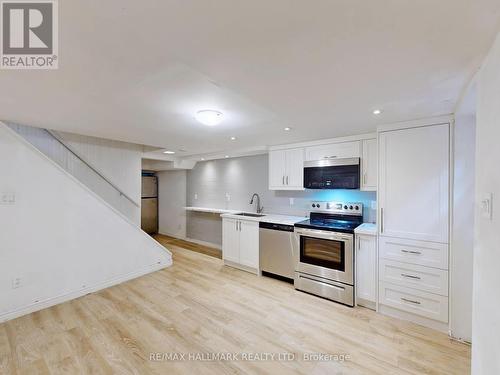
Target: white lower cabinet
<point>366,270</point>
<point>428,305</point>
<point>240,244</point>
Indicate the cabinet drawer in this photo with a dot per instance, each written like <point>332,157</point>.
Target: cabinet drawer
<point>431,254</point>
<point>414,301</point>
<point>427,279</point>
<point>334,150</point>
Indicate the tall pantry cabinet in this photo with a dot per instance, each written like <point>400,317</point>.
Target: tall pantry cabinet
<point>414,193</point>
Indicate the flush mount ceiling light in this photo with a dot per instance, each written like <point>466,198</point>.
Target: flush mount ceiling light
<point>169,152</point>
<point>226,156</point>
<point>377,111</point>
<point>202,159</point>
<point>233,138</point>
<point>209,117</point>
<point>287,129</point>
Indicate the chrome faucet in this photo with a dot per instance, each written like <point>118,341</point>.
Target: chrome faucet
<point>259,208</point>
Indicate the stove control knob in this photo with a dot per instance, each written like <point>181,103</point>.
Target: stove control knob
<point>345,207</point>
<point>357,208</point>
<point>314,205</point>
<point>318,206</point>
<point>350,207</point>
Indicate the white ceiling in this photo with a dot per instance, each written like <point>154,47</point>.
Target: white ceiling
<point>137,71</point>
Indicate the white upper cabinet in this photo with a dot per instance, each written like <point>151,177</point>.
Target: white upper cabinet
<point>334,150</point>
<point>369,165</point>
<point>286,169</point>
<point>414,183</point>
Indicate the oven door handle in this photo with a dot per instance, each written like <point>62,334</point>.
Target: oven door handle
<point>323,234</point>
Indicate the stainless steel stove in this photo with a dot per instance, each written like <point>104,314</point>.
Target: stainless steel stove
<point>325,247</point>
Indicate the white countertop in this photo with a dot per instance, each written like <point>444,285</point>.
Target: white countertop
<point>367,228</point>
<point>268,218</point>
<point>212,210</point>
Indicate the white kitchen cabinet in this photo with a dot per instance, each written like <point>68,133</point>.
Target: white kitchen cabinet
<point>240,244</point>
<point>369,165</point>
<point>334,150</point>
<point>366,270</point>
<point>414,183</point>
<point>413,190</point>
<point>249,244</point>
<point>286,169</point>
<point>230,240</point>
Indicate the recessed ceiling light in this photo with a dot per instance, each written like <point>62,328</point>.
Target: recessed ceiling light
<point>287,129</point>
<point>226,156</point>
<point>377,111</point>
<point>202,159</point>
<point>169,152</point>
<point>233,138</point>
<point>209,117</point>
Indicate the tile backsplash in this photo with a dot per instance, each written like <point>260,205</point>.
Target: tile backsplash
<point>230,183</point>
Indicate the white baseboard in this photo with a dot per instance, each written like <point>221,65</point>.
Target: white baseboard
<point>242,267</point>
<point>204,243</point>
<point>426,322</point>
<point>40,305</point>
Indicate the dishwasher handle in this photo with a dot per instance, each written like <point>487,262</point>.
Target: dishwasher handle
<point>274,226</point>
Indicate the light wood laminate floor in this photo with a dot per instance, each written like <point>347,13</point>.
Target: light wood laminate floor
<point>200,306</point>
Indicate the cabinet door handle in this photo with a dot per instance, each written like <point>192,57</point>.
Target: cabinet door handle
<point>364,178</point>
<point>236,223</point>
<point>240,226</point>
<point>410,276</point>
<point>330,157</point>
<point>410,252</point>
<point>283,180</point>
<point>410,301</point>
<point>287,180</point>
<point>381,220</point>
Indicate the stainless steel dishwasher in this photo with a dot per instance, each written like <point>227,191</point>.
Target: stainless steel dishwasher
<point>276,244</point>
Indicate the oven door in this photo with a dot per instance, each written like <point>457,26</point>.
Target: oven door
<point>326,254</point>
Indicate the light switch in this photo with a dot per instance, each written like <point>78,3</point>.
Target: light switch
<point>8,198</point>
<point>195,196</point>
<point>486,206</point>
<point>228,197</point>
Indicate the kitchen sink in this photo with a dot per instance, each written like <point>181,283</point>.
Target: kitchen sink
<point>250,215</point>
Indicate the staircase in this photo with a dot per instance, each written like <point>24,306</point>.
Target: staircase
<point>65,229</point>
<point>55,149</point>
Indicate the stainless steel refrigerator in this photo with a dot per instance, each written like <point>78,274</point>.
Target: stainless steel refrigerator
<point>149,203</point>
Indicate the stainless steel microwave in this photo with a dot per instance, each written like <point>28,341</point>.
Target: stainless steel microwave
<point>338,173</point>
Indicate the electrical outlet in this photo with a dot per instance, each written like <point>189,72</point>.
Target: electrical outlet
<point>228,197</point>
<point>17,283</point>
<point>195,196</point>
<point>292,201</point>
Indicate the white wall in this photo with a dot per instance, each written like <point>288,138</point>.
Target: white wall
<point>486,308</point>
<point>59,238</point>
<point>119,162</point>
<point>463,217</point>
<point>172,201</point>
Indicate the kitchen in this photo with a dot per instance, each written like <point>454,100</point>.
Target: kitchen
<point>306,213</point>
